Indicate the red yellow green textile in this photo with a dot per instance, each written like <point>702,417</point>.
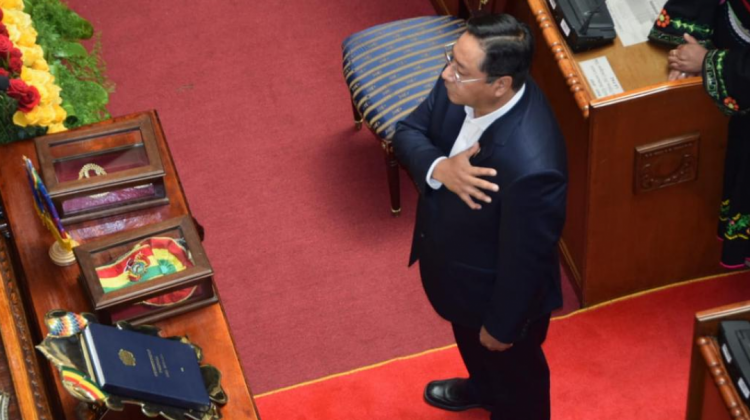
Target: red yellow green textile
<point>149,259</point>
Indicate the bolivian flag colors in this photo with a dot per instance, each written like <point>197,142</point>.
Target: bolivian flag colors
<point>149,259</point>
<point>81,385</point>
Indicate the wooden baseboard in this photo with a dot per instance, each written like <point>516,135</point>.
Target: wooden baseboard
<point>570,267</point>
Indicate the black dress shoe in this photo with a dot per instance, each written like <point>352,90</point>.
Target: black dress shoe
<point>452,395</point>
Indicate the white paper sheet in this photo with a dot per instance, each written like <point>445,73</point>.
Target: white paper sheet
<point>634,18</point>
<point>601,77</point>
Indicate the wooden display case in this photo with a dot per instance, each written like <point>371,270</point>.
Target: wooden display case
<point>147,274</point>
<point>103,170</point>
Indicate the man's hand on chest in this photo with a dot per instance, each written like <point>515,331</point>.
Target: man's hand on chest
<point>459,176</point>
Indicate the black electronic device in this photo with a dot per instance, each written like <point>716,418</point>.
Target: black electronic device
<point>585,24</point>
<point>734,341</point>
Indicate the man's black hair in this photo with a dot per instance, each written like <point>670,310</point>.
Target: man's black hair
<point>508,46</point>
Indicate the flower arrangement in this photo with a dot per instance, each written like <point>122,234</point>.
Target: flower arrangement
<point>54,82</point>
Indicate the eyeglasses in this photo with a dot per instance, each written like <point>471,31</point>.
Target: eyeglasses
<point>452,64</point>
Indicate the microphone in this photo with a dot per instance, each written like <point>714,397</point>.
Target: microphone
<point>585,27</point>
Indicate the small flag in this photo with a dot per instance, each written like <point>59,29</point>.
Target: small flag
<point>46,209</point>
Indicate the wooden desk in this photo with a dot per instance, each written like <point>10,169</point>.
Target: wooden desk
<point>711,395</point>
<point>642,212</point>
<point>48,286</point>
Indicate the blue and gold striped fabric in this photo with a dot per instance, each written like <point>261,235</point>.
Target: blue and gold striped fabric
<point>391,68</point>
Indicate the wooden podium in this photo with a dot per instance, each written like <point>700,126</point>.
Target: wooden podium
<point>645,165</point>
<point>711,394</point>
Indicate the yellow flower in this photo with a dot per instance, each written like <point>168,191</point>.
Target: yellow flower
<point>43,94</point>
<point>31,54</point>
<point>36,77</point>
<point>60,114</point>
<point>16,18</point>
<point>44,82</point>
<point>46,115</point>
<point>35,71</point>
<point>28,37</point>
<point>33,117</point>
<point>11,5</point>
<point>54,94</point>
<point>19,119</point>
<point>40,64</point>
<point>13,33</point>
<point>56,128</point>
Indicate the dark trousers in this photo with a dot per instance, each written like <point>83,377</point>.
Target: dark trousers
<point>516,381</point>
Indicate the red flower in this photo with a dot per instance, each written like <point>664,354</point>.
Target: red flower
<point>6,45</point>
<point>3,29</point>
<point>27,96</point>
<point>663,20</point>
<point>15,64</point>
<point>10,56</point>
<point>4,72</point>
<point>730,103</point>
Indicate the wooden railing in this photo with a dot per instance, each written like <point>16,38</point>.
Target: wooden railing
<point>562,54</point>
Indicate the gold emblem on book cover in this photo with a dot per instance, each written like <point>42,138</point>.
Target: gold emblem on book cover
<point>128,358</point>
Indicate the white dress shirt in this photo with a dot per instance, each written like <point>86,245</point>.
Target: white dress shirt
<point>471,131</point>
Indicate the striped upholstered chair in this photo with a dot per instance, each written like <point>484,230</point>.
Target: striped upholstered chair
<point>390,69</point>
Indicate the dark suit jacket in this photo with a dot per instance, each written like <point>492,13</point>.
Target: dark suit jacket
<point>496,267</point>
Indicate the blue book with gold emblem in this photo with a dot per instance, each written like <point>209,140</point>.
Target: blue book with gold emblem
<point>145,367</point>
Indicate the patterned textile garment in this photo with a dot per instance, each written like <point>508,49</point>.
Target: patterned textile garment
<point>722,27</point>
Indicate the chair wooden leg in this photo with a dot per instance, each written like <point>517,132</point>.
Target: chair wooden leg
<point>357,117</point>
<point>393,177</point>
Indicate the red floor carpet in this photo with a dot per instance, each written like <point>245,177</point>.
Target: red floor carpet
<point>311,267</point>
<point>628,360</point>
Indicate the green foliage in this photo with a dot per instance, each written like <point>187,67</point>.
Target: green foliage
<point>9,131</point>
<point>8,106</point>
<point>79,73</point>
<point>68,23</point>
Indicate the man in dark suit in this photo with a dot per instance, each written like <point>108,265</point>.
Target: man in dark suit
<point>489,161</point>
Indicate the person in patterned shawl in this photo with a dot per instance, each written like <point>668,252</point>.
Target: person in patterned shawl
<point>711,38</point>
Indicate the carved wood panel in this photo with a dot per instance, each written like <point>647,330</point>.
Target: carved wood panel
<point>28,396</point>
<point>6,387</point>
<point>733,404</point>
<point>666,163</point>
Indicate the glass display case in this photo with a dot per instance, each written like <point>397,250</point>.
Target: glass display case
<point>147,274</point>
<point>97,172</point>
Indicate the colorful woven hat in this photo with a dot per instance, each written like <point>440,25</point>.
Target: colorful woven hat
<point>66,324</point>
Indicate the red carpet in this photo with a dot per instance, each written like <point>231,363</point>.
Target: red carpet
<point>310,265</point>
<point>626,360</point>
